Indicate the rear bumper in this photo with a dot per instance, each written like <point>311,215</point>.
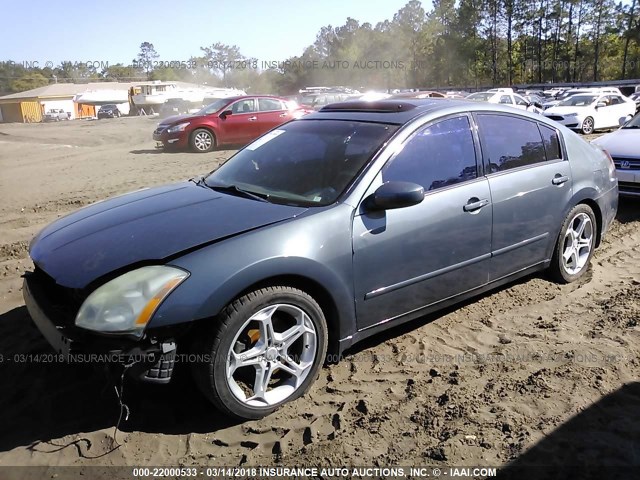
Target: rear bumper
<point>608,203</point>
<point>152,362</point>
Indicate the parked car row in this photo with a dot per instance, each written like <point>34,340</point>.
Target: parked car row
<point>584,110</point>
<point>504,96</point>
<point>591,111</point>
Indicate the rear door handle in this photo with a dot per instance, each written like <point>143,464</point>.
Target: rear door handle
<point>559,179</point>
<point>282,115</point>
<point>252,119</point>
<point>475,204</point>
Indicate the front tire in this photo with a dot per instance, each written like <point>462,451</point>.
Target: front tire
<point>575,245</point>
<point>266,349</point>
<point>202,140</point>
<point>587,126</point>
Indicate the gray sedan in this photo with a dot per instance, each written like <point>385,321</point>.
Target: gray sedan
<point>624,146</point>
<point>320,233</point>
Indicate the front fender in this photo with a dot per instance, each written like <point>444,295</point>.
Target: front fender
<point>316,248</point>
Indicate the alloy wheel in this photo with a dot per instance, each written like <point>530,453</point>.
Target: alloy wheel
<point>577,243</point>
<point>271,355</point>
<point>202,141</point>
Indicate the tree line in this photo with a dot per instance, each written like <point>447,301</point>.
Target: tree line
<point>456,44</point>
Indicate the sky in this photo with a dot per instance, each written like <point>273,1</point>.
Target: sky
<point>112,31</point>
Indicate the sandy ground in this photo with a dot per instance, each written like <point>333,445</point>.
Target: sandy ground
<point>531,374</point>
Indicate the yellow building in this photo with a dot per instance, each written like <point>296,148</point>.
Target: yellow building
<point>30,106</point>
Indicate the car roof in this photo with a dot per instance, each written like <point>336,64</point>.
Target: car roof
<point>240,97</point>
<point>402,111</point>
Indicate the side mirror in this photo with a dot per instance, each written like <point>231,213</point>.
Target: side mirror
<point>392,195</point>
<point>622,121</point>
<point>600,104</point>
<point>225,114</point>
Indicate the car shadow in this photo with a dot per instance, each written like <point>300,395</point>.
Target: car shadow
<point>43,400</point>
<point>628,209</point>
<point>155,151</point>
<point>152,151</point>
<point>602,441</point>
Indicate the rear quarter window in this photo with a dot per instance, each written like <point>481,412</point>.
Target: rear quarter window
<point>551,142</point>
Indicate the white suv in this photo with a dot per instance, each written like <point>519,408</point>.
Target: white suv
<point>587,112</point>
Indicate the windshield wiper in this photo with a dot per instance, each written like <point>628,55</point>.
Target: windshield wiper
<point>631,126</point>
<point>262,197</point>
<point>198,181</point>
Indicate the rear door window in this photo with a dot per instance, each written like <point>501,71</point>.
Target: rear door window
<point>269,104</point>
<point>509,142</point>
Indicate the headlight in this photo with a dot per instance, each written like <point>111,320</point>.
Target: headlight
<point>127,303</point>
<point>569,114</point>
<point>178,128</point>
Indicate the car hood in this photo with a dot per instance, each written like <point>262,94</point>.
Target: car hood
<point>623,142</point>
<point>564,110</point>
<point>145,226</point>
<point>175,119</point>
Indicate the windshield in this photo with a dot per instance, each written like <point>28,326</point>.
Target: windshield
<point>309,100</point>
<point>634,122</point>
<point>306,162</point>
<point>480,97</point>
<point>578,101</point>
<point>214,107</point>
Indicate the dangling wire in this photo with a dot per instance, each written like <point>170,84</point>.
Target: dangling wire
<point>123,407</point>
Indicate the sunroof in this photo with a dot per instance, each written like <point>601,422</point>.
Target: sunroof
<point>361,106</point>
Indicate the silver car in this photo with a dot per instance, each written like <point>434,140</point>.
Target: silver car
<point>624,146</point>
<point>322,232</point>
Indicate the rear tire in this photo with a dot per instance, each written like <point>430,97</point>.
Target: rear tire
<point>202,140</point>
<point>265,349</point>
<point>575,245</point>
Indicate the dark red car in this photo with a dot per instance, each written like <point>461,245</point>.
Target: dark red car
<point>227,121</point>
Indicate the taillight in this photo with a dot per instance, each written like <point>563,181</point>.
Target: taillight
<point>612,166</point>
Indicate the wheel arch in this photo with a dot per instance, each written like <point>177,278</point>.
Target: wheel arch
<point>587,197</point>
<point>317,291</point>
<point>598,213</point>
<point>198,302</point>
<point>208,128</point>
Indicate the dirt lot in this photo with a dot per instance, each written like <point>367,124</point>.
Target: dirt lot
<point>535,373</point>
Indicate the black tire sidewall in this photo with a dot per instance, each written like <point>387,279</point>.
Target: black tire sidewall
<point>237,315</point>
<point>557,269</point>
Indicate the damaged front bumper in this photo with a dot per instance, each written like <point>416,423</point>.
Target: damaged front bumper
<point>151,359</point>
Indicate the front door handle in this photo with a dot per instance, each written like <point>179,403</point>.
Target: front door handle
<point>252,119</point>
<point>475,204</point>
<point>559,179</point>
<point>282,115</point>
